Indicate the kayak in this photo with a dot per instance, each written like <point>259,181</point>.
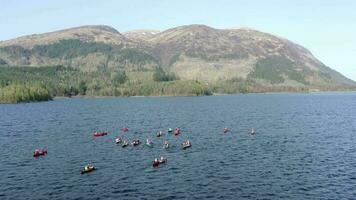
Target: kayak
<point>90,169</point>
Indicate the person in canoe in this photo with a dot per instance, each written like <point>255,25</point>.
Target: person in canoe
<point>118,140</point>
<point>125,144</point>
<point>155,162</point>
<point>38,153</point>
<point>135,142</point>
<point>166,145</point>
<point>226,130</point>
<point>88,168</point>
<point>170,130</point>
<point>124,129</point>
<point>162,160</point>
<point>149,143</point>
<point>253,131</point>
<point>186,144</point>
<point>177,131</point>
<point>159,134</point>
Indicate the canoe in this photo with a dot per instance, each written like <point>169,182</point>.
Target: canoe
<point>125,145</point>
<point>162,161</point>
<point>149,145</point>
<point>88,170</point>
<point>155,164</point>
<point>158,162</point>
<point>99,134</point>
<point>185,146</point>
<point>40,153</point>
<point>125,129</point>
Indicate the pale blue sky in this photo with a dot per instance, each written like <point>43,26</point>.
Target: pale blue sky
<point>326,27</point>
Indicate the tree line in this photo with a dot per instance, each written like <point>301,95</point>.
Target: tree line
<point>28,84</point>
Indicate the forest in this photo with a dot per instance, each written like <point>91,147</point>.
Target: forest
<point>29,84</point>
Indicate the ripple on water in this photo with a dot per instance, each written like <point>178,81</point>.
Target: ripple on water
<point>304,148</point>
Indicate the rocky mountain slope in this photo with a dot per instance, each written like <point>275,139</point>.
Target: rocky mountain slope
<point>193,52</point>
<point>142,35</point>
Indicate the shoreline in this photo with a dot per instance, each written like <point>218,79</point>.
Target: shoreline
<point>214,94</point>
<point>158,96</point>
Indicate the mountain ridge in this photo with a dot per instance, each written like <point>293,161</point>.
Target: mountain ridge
<point>191,52</point>
<point>85,33</point>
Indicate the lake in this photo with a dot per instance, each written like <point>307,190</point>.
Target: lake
<point>304,148</point>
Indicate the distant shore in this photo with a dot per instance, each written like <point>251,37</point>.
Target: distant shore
<point>213,94</point>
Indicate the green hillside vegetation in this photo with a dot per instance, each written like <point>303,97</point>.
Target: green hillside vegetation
<point>70,48</point>
<point>160,75</point>
<point>73,48</point>
<point>272,69</point>
<point>26,84</point>
<point>16,93</point>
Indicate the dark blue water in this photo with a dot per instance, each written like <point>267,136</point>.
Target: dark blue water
<point>305,148</point>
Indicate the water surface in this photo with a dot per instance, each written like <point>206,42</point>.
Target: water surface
<point>305,148</point>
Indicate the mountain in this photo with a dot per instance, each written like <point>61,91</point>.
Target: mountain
<point>88,48</point>
<point>220,57</point>
<point>142,35</point>
<point>99,33</point>
<point>204,53</point>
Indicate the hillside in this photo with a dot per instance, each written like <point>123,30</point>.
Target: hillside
<point>203,53</point>
<point>225,60</point>
<point>142,35</point>
<point>95,33</point>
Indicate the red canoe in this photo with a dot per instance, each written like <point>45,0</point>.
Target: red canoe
<point>125,129</point>
<point>38,153</point>
<point>99,134</point>
<point>177,131</point>
<point>157,162</point>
